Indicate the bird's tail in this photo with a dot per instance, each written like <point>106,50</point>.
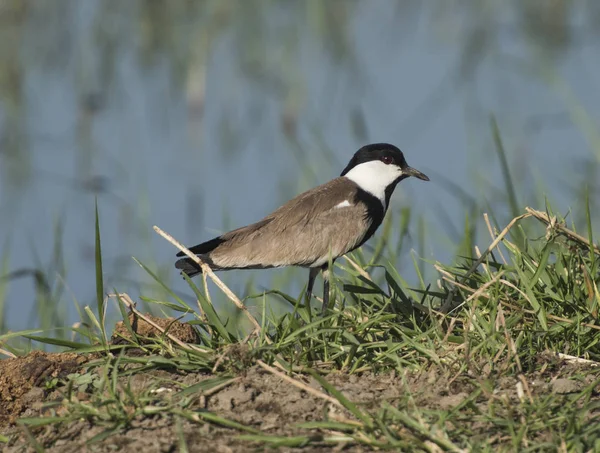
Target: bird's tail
<point>188,267</point>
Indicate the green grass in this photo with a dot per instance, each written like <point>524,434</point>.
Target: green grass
<point>485,320</point>
<point>494,315</point>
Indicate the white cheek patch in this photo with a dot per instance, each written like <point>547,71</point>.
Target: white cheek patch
<point>374,177</point>
<point>343,204</point>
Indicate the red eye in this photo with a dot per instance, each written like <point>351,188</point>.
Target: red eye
<point>387,160</point>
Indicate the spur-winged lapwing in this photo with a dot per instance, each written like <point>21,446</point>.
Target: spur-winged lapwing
<point>317,226</point>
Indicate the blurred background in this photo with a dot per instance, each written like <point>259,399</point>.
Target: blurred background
<point>200,116</point>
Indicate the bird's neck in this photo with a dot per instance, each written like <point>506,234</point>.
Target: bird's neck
<point>380,184</point>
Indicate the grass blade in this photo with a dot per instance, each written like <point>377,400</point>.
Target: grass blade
<point>508,182</point>
<point>211,315</point>
<point>99,277</point>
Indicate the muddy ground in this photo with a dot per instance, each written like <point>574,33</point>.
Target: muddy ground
<point>257,399</point>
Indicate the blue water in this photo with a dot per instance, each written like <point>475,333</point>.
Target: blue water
<point>272,106</point>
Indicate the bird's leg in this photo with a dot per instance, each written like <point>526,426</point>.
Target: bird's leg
<point>312,275</point>
<point>325,288</point>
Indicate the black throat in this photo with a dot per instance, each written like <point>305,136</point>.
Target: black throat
<point>375,212</point>
<point>389,190</point>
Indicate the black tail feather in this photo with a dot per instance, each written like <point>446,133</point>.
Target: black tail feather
<point>205,247</point>
<point>188,267</point>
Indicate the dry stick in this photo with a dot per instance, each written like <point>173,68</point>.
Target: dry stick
<point>300,385</point>
<point>443,271</point>
<point>486,217</point>
<point>552,223</point>
<point>131,305</point>
<point>501,321</point>
<point>447,276</point>
<point>8,353</point>
<point>475,293</point>
<point>209,273</point>
<point>218,388</point>
<point>446,307</point>
<point>572,358</point>
<point>525,385</point>
<point>483,287</point>
<point>522,293</point>
<point>449,330</point>
<point>359,269</point>
<point>485,266</point>
<point>206,293</point>
<point>461,286</point>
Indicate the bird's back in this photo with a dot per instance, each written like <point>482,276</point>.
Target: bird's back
<point>322,223</point>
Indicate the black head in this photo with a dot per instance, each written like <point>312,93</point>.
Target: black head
<point>386,153</point>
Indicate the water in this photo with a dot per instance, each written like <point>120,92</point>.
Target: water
<point>204,116</point>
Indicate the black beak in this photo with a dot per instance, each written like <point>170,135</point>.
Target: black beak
<point>409,171</point>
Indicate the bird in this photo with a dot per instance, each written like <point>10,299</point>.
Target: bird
<point>316,227</point>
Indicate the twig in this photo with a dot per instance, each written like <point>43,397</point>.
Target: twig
<point>7,353</point>
<point>218,388</point>
<point>482,288</point>
<point>486,217</point>
<point>553,224</point>
<point>209,273</point>
<point>300,385</point>
<point>521,292</point>
<point>525,385</point>
<point>449,299</point>
<point>131,305</point>
<point>359,269</point>
<point>447,276</point>
<point>485,266</point>
<point>501,322</point>
<point>481,291</point>
<point>572,358</point>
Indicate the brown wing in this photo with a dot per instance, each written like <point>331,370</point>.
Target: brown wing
<point>302,232</point>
